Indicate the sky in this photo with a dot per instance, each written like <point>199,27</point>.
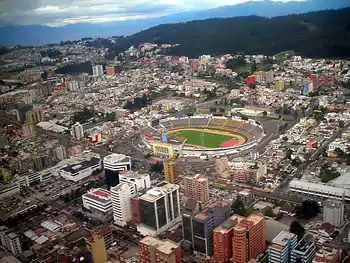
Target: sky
<point>63,12</point>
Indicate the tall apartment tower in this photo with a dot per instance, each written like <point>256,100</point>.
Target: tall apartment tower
<point>304,252</point>
<point>333,212</point>
<point>170,171</point>
<point>153,250</point>
<point>197,188</point>
<point>97,248</point>
<point>281,247</point>
<point>114,164</point>
<point>249,238</point>
<point>97,70</point>
<point>77,131</point>
<point>222,238</point>
<point>121,195</point>
<point>159,209</point>
<point>28,130</point>
<point>202,224</point>
<point>34,116</point>
<point>10,241</point>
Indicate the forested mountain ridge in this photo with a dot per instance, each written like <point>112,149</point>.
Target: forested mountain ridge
<point>314,34</point>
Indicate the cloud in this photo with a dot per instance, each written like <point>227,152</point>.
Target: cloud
<point>61,12</point>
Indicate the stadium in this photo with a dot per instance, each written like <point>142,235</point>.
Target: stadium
<point>201,135</point>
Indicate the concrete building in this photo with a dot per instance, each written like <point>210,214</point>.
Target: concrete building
<point>98,201</point>
<point>77,131</point>
<point>153,250</point>
<point>249,238</point>
<point>327,255</point>
<point>170,171</point>
<point>60,153</point>
<point>10,188</point>
<point>304,252</point>
<point>279,85</point>
<point>114,164</point>
<point>97,247</point>
<point>159,209</point>
<point>76,172</point>
<point>97,70</point>
<point>222,239</point>
<point>281,247</point>
<point>308,87</point>
<point>333,212</point>
<point>121,195</point>
<point>140,181</point>
<point>269,76</point>
<point>34,116</point>
<point>28,130</point>
<point>10,241</point>
<point>196,188</point>
<point>199,227</point>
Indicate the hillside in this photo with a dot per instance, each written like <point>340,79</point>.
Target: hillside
<point>314,34</point>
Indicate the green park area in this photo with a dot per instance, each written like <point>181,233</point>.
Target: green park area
<point>201,138</point>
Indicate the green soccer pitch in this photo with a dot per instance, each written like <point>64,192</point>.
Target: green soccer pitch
<point>202,138</point>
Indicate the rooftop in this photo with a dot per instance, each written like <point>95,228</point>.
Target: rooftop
<point>115,158</point>
<point>303,245</point>
<point>75,168</point>
<point>282,238</point>
<point>133,174</point>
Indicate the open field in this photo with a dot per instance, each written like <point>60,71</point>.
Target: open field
<point>197,137</point>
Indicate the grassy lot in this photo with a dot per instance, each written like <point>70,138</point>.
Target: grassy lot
<point>209,139</point>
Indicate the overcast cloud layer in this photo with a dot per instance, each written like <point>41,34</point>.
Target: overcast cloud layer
<point>62,12</point>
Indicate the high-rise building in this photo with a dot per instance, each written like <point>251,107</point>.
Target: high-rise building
<point>249,238</point>
<point>202,225</point>
<point>308,87</point>
<point>114,164</point>
<point>281,247</point>
<point>279,85</point>
<point>222,238</point>
<point>97,70</point>
<point>4,141</point>
<point>304,252</point>
<point>60,153</point>
<point>269,76</point>
<point>97,248</point>
<point>121,195</point>
<point>77,131</point>
<point>140,181</point>
<point>111,70</point>
<point>197,188</point>
<point>170,171</point>
<point>34,116</point>
<point>98,201</point>
<point>327,255</point>
<point>333,212</point>
<point>159,209</point>
<point>153,250</point>
<point>10,241</point>
<point>21,112</point>
<point>28,130</point>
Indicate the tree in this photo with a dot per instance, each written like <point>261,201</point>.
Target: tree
<point>285,138</point>
<point>253,67</point>
<point>298,229</point>
<point>269,212</point>
<point>308,209</point>
<point>157,167</point>
<point>264,113</point>
<point>237,207</point>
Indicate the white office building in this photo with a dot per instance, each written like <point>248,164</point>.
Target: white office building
<point>77,131</point>
<point>160,209</point>
<point>121,195</point>
<point>77,172</point>
<point>98,201</point>
<point>114,164</point>
<point>281,247</point>
<point>10,241</point>
<point>141,181</point>
<point>97,70</point>
<point>333,212</point>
